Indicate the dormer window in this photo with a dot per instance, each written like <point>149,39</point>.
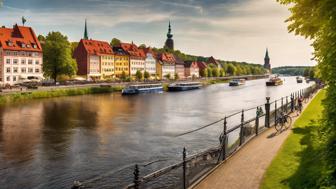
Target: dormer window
<point>10,43</point>
<point>23,45</point>
<point>28,46</point>
<point>34,46</point>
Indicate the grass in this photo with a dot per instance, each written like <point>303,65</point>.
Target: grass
<point>19,97</point>
<point>299,163</point>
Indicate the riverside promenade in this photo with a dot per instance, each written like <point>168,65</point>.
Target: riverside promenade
<point>246,168</point>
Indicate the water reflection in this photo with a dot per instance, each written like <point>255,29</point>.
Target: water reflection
<point>49,143</point>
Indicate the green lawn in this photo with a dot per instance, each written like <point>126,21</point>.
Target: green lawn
<point>299,163</point>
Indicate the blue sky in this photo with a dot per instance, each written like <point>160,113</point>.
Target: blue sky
<point>226,29</point>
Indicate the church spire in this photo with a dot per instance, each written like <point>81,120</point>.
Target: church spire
<point>267,64</point>
<point>85,31</point>
<point>266,56</point>
<point>169,35</point>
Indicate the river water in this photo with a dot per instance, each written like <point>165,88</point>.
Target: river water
<point>52,142</point>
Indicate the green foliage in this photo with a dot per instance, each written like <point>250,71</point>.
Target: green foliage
<point>138,75</point>
<point>115,42</point>
<point>176,76</point>
<point>19,97</point>
<point>123,76</point>
<point>231,69</point>
<point>57,56</point>
<point>146,75</point>
<point>291,70</point>
<point>316,20</point>
<point>300,162</point>
<point>168,76</point>
<point>204,73</point>
<point>215,72</point>
<point>209,69</point>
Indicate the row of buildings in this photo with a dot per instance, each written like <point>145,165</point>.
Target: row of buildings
<point>21,58</point>
<point>98,60</point>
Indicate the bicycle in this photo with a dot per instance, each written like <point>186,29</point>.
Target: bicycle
<point>283,121</point>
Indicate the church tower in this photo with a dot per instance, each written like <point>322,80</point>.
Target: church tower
<point>169,42</point>
<point>267,64</point>
<point>86,36</point>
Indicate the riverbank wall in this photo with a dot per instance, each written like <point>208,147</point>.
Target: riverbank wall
<point>19,95</point>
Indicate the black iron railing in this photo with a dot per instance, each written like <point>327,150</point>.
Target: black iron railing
<point>238,129</point>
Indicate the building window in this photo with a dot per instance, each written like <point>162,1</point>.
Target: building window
<point>8,61</point>
<point>8,78</point>
<point>14,78</point>
<point>37,62</point>
<point>15,70</point>
<point>23,61</point>
<point>30,70</point>
<point>15,61</point>
<point>37,70</point>
<point>8,70</point>
<point>30,61</point>
<point>23,70</point>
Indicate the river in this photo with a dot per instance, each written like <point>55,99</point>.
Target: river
<point>50,143</point>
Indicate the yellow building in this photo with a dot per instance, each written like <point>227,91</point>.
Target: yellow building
<point>121,62</point>
<point>107,66</point>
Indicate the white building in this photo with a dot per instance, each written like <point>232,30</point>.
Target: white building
<point>137,57</point>
<point>21,55</point>
<point>150,62</point>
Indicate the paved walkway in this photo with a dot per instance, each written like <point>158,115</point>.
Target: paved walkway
<point>245,169</point>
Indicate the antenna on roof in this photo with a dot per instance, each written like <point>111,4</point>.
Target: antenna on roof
<point>23,20</point>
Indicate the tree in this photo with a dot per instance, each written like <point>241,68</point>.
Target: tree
<point>204,72</point>
<point>146,75</point>
<point>209,69</point>
<point>316,20</point>
<point>41,39</point>
<point>215,72</point>
<point>167,76</point>
<point>115,42</point>
<point>138,75</point>
<point>142,46</point>
<point>222,73</point>
<point>176,76</point>
<point>123,76</point>
<point>57,57</point>
<point>231,69</point>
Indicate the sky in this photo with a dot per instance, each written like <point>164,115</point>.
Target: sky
<point>239,30</point>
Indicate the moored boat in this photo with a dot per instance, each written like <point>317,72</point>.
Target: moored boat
<point>184,86</point>
<point>274,81</point>
<point>142,88</point>
<point>237,82</point>
<point>299,79</point>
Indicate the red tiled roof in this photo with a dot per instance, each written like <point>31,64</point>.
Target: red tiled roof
<point>19,38</point>
<point>94,47</point>
<point>168,58</point>
<point>133,50</point>
<point>202,65</point>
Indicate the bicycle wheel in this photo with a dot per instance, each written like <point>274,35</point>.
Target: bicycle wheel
<point>288,121</point>
<point>279,125</point>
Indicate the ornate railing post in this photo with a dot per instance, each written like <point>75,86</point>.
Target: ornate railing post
<point>184,168</point>
<point>267,113</point>
<point>241,129</point>
<point>282,103</point>
<point>136,174</point>
<point>292,102</point>
<point>224,139</point>
<point>286,104</point>
<point>257,120</point>
<point>275,113</point>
